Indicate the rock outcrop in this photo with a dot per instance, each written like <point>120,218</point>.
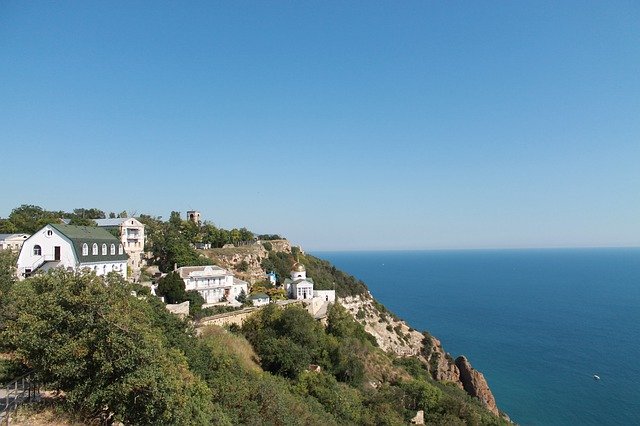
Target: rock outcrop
<point>475,384</point>
<point>231,257</point>
<point>395,336</point>
<point>441,364</point>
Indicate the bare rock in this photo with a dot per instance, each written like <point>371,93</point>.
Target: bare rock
<point>475,384</point>
<point>441,365</point>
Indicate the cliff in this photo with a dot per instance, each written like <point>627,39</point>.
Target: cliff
<point>395,336</point>
<point>253,254</point>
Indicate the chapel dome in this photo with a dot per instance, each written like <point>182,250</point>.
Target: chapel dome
<point>298,267</point>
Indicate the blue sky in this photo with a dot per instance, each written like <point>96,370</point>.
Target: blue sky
<point>341,125</point>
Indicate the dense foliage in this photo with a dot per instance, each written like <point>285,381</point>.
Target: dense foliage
<point>29,218</point>
<point>96,342</point>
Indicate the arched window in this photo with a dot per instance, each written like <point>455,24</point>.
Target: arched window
<point>85,249</point>
<point>94,249</point>
<point>37,250</point>
<point>113,249</point>
<point>119,248</point>
<point>104,249</point>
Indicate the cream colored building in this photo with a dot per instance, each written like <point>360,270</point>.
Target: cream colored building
<point>12,241</point>
<point>214,283</point>
<point>132,237</point>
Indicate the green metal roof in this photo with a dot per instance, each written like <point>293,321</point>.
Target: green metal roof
<point>90,235</point>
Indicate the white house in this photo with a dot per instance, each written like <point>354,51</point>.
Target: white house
<point>259,299</point>
<point>73,248</point>
<point>299,286</point>
<point>131,233</point>
<point>12,241</point>
<point>214,283</point>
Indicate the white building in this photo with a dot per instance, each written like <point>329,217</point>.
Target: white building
<point>214,283</point>
<point>12,241</point>
<point>132,238</point>
<point>73,248</point>
<point>299,286</point>
<point>259,299</point>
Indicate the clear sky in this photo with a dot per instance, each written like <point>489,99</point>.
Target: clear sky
<point>341,125</point>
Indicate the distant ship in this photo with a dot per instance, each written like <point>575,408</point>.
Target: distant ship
<point>596,377</point>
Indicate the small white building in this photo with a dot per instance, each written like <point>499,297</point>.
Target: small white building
<point>73,248</point>
<point>132,238</point>
<point>214,283</point>
<point>12,241</point>
<point>299,286</point>
<point>259,299</point>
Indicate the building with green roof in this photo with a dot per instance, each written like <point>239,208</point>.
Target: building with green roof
<point>73,248</point>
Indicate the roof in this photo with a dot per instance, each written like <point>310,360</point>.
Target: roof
<point>89,235</point>
<point>199,271</point>
<point>8,236</point>
<point>258,296</point>
<point>298,267</point>
<point>107,223</point>
<point>289,281</point>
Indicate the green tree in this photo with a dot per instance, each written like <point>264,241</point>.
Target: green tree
<point>172,288</point>
<point>30,218</point>
<point>195,302</point>
<point>97,343</point>
<point>8,260</point>
<point>89,213</point>
<point>82,221</point>
<point>242,297</point>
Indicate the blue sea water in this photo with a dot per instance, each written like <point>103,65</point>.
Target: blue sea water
<point>538,323</point>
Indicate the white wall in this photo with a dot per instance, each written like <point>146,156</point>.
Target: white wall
<point>329,295</point>
<point>47,243</point>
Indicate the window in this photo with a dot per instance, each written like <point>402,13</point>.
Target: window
<point>104,249</point>
<point>94,249</point>
<point>85,249</point>
<point>113,249</point>
<point>37,250</point>
<point>119,248</point>
<point>49,232</point>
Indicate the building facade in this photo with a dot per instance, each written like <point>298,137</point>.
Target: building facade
<point>132,238</point>
<point>12,241</point>
<point>298,286</point>
<point>215,284</point>
<point>72,248</point>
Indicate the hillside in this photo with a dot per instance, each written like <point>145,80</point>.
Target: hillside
<point>113,353</point>
<point>391,334</point>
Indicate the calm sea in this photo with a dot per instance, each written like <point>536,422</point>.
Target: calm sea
<point>538,323</point>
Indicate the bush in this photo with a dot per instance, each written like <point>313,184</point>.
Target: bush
<point>97,343</point>
<point>172,288</point>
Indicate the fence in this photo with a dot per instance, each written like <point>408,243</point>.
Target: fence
<point>22,389</point>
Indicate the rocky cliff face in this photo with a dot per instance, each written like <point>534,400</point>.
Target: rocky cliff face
<point>231,257</point>
<point>395,336</point>
<point>475,384</point>
<point>253,254</point>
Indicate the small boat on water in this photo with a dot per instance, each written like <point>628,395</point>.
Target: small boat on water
<point>596,377</point>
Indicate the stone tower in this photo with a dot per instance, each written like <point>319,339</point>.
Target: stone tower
<point>193,216</point>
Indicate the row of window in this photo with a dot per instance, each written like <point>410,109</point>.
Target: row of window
<point>37,250</point>
<point>94,249</point>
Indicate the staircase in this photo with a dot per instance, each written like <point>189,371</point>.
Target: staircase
<point>20,390</point>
